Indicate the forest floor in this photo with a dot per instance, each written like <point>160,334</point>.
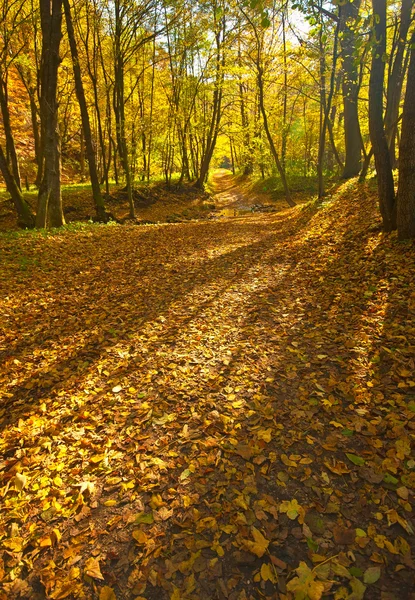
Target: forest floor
<point>210,410</point>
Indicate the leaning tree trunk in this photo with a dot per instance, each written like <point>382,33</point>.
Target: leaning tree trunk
<point>273,149</point>
<point>386,190</point>
<point>10,145</point>
<point>406,185</point>
<point>86,127</point>
<point>326,104</point>
<point>50,211</point>
<point>25,216</point>
<point>217,108</point>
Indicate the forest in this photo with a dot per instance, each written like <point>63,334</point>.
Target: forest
<point>207,303</point>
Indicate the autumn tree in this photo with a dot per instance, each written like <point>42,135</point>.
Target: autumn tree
<point>386,189</point>
<point>406,185</point>
<point>49,210</point>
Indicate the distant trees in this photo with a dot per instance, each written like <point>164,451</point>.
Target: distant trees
<point>135,90</point>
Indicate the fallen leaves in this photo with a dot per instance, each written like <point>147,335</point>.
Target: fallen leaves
<point>219,409</point>
<point>260,544</point>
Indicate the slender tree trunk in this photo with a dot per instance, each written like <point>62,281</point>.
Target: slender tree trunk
<point>217,108</point>
<point>11,153</point>
<point>284,134</point>
<point>86,126</point>
<point>25,216</point>
<point>396,80</point>
<point>119,108</point>
<point>365,166</point>
<point>326,105</point>
<point>49,210</point>
<point>273,149</point>
<point>406,184</point>
<point>386,189</point>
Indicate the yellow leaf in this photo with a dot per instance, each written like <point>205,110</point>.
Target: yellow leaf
<point>259,546</point>
<point>287,461</point>
<point>156,501</point>
<point>267,573</point>
<point>238,403</point>
<point>292,509</point>
<point>110,503</point>
<point>305,586</point>
<point>265,434</point>
<point>97,458</point>
<point>14,544</point>
<point>44,542</point>
<point>19,481</point>
<point>140,536</point>
<point>92,568</point>
<point>403,448</point>
<point>107,593</point>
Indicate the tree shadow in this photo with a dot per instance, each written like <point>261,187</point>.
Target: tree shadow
<point>224,380</point>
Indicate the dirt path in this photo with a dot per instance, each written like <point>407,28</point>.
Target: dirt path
<point>227,193</point>
<point>209,410</point>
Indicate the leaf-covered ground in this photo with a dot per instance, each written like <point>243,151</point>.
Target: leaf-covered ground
<point>210,410</point>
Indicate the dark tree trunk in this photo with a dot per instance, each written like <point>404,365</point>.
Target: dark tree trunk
<point>348,15</point>
<point>406,185</point>
<point>396,80</point>
<point>86,127</point>
<point>49,212</point>
<point>11,154</point>
<point>25,216</point>
<point>386,189</point>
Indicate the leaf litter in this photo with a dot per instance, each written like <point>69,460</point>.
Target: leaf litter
<point>209,410</point>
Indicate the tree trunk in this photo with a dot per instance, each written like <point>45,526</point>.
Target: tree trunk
<point>217,108</point>
<point>25,216</point>
<point>396,80</point>
<point>326,104</point>
<point>11,153</point>
<point>386,189</point>
<point>86,127</point>
<point>406,185</point>
<point>348,15</point>
<point>50,211</point>
<point>273,149</point>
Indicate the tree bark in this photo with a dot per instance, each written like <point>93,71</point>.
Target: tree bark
<point>86,126</point>
<point>396,80</point>
<point>273,149</point>
<point>406,184</point>
<point>326,104</point>
<point>11,153</point>
<point>50,212</point>
<point>348,15</point>
<point>25,216</point>
<point>217,104</point>
<point>385,181</point>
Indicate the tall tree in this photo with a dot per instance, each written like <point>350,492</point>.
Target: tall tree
<point>219,31</point>
<point>406,184</point>
<point>396,78</point>
<point>348,15</point>
<point>86,127</point>
<point>386,190</point>
<point>49,210</point>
